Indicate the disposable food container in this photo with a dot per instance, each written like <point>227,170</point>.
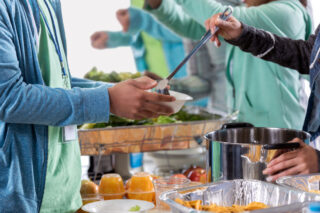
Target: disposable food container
<point>308,183</point>
<point>181,99</point>
<point>280,199</point>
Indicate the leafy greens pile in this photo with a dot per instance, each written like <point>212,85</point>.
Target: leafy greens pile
<point>181,116</point>
<point>114,121</point>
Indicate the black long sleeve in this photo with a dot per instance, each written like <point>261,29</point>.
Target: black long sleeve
<point>294,54</point>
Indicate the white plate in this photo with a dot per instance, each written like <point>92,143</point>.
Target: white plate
<point>117,206</point>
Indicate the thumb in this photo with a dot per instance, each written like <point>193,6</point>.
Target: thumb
<point>95,36</point>
<point>144,83</point>
<point>295,140</point>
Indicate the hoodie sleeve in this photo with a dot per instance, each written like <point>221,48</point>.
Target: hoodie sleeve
<point>142,21</point>
<point>85,83</point>
<point>172,15</point>
<point>182,16</point>
<point>281,17</point>
<point>290,53</point>
<point>24,103</point>
<point>120,39</point>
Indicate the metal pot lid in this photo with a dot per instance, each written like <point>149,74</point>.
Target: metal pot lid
<point>255,135</point>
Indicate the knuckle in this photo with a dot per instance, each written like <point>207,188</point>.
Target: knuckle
<point>134,111</point>
<point>282,165</point>
<point>130,81</point>
<point>287,172</point>
<point>304,166</point>
<point>138,104</point>
<point>139,96</point>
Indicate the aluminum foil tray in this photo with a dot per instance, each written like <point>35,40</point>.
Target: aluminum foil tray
<point>241,192</point>
<point>309,183</point>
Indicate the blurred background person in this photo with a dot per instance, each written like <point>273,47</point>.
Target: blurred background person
<point>155,48</point>
<point>249,92</point>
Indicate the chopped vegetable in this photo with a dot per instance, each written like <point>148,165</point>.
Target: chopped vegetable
<point>135,208</point>
<point>96,75</point>
<point>181,116</point>
<point>115,121</point>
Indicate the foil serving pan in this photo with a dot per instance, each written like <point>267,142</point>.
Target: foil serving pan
<point>241,192</point>
<point>308,183</point>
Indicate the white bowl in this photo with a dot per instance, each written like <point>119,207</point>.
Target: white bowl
<point>181,99</point>
<point>117,206</point>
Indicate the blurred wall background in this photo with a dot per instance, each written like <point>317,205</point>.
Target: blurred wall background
<point>86,17</point>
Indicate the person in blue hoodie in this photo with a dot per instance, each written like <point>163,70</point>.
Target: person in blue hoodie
<point>41,104</point>
<point>155,48</point>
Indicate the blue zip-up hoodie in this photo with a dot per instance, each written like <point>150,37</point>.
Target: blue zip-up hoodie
<point>28,107</point>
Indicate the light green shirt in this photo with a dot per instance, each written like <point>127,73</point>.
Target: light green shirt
<point>62,186</point>
<point>264,93</point>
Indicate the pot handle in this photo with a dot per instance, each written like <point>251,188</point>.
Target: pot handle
<point>236,125</point>
<point>281,146</point>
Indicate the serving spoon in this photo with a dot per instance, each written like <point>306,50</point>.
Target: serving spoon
<point>162,86</point>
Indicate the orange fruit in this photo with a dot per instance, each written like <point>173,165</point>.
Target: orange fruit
<point>88,188</point>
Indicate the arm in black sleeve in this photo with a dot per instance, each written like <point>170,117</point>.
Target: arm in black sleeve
<point>294,54</point>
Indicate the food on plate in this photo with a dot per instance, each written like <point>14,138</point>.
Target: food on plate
<point>111,187</point>
<point>135,208</point>
<point>88,188</point>
<point>140,187</point>
<point>197,204</point>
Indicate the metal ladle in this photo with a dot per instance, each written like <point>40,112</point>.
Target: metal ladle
<point>162,84</point>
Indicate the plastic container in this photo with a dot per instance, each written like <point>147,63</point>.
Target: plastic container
<point>140,187</point>
<point>309,183</point>
<point>179,102</point>
<point>162,185</point>
<point>241,192</point>
<point>111,187</point>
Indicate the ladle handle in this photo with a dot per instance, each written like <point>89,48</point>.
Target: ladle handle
<point>236,125</point>
<point>281,146</point>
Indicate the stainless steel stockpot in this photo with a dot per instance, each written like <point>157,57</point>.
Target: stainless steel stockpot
<point>242,151</point>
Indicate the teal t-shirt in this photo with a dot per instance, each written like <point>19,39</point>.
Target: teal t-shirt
<point>62,186</point>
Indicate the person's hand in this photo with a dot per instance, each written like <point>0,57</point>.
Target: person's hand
<point>123,17</point>
<point>131,100</point>
<point>154,4</point>
<point>229,30</point>
<point>303,160</point>
<point>99,39</point>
